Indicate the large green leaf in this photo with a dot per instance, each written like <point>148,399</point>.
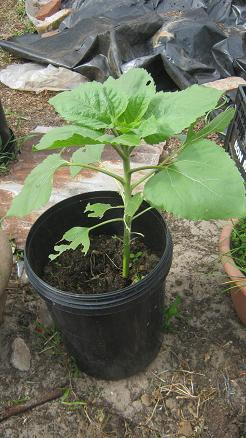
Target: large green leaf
<point>218,124</point>
<point>203,183</point>
<point>139,87</point>
<point>76,236</point>
<point>91,104</point>
<point>67,136</point>
<point>37,187</point>
<point>179,109</point>
<point>87,155</point>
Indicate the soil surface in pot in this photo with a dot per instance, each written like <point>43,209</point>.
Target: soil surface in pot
<point>99,271</point>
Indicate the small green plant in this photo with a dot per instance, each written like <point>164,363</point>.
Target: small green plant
<point>134,257</point>
<point>238,245</point>
<point>137,277</point>
<point>171,312</point>
<point>196,181</point>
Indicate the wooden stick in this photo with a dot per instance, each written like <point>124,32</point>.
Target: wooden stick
<point>20,409</point>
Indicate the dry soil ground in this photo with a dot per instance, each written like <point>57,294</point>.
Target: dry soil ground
<point>196,386</point>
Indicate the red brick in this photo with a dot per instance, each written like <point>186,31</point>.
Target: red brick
<point>49,9</point>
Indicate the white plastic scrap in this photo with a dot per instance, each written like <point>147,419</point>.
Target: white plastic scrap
<point>36,77</point>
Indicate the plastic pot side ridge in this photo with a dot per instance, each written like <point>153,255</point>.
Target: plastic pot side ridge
<point>238,279</point>
<point>111,335</point>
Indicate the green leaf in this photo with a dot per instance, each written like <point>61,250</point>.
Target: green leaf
<point>203,183</point>
<point>179,109</point>
<point>129,139</point>
<point>97,209</point>
<point>37,187</point>
<point>139,87</point>
<point>147,127</point>
<point>91,104</point>
<point>218,124</point>
<point>153,131</point>
<point>134,204</point>
<point>87,155</point>
<point>76,236</point>
<point>67,136</point>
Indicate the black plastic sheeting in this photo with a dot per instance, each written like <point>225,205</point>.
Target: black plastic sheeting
<point>178,42</point>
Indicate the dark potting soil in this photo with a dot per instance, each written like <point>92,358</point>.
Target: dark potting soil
<point>99,271</point>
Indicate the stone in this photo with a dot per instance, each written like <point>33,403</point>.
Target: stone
<point>44,316</point>
<point>228,84</point>
<point>185,428</point>
<point>6,262</point>
<point>49,26</point>
<point>172,404</point>
<point>49,9</point>
<point>21,356</point>
<point>146,400</point>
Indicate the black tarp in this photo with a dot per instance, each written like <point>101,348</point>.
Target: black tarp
<point>179,42</point>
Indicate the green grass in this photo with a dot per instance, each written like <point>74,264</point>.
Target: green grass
<point>20,8</point>
<point>238,245</point>
<point>27,26</point>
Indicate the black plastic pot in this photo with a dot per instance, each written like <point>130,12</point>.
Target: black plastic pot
<point>7,140</point>
<point>111,335</point>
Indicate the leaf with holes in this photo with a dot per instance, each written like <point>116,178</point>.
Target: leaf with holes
<point>203,183</point>
<point>76,236</point>
<point>97,209</point>
<point>139,87</point>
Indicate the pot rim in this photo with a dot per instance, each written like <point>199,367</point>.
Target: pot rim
<point>229,265</point>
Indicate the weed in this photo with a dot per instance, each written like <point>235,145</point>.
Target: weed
<point>171,312</point>
<point>73,369</point>
<point>6,158</point>
<point>137,277</point>
<point>51,340</point>
<point>134,257</point>
<point>238,243</point>
<point>18,401</point>
<point>68,399</point>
